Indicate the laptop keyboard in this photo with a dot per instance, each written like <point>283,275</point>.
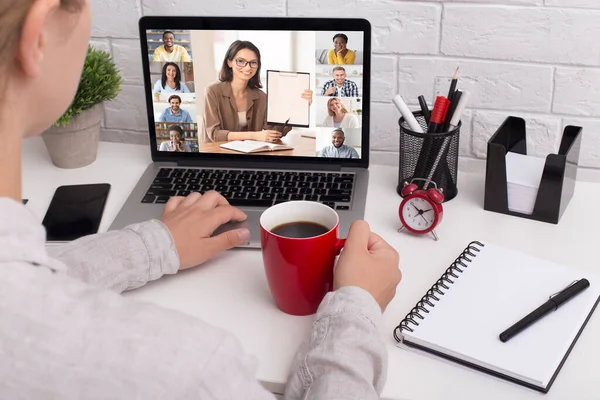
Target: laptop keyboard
<point>254,188</point>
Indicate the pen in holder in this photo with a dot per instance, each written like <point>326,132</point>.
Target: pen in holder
<point>430,156</point>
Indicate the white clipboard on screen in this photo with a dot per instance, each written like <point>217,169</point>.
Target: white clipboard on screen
<point>285,104</point>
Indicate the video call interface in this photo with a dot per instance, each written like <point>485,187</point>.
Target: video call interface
<point>284,93</point>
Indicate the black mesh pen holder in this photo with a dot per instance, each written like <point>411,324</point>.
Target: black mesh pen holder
<point>432,156</point>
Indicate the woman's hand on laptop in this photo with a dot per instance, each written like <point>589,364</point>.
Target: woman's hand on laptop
<point>192,219</point>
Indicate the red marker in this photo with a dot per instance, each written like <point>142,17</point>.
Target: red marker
<point>438,115</point>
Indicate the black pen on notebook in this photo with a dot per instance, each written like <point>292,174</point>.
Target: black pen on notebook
<point>554,301</point>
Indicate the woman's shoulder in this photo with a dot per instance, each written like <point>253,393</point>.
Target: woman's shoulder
<point>258,93</point>
<point>216,87</point>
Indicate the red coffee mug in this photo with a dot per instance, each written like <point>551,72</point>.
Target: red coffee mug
<point>299,270</point>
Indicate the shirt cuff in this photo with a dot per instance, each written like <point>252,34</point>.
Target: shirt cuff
<point>162,253</point>
<point>221,135</point>
<point>352,300</point>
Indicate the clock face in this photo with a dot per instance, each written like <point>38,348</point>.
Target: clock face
<point>418,214</point>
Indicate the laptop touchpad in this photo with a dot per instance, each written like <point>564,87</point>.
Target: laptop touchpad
<point>252,224</point>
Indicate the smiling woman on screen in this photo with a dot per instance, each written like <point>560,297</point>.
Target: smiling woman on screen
<point>235,108</point>
<point>170,80</point>
<point>339,117</point>
<point>340,54</point>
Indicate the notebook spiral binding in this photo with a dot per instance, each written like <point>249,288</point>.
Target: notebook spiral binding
<point>436,290</point>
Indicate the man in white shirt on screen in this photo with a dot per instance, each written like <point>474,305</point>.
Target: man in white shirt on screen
<point>338,149</point>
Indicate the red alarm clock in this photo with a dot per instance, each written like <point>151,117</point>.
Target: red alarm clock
<point>421,209</point>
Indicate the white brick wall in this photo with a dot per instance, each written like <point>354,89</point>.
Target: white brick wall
<point>538,59</point>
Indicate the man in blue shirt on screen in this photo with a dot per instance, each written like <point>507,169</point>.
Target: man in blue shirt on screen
<point>338,149</point>
<point>175,113</point>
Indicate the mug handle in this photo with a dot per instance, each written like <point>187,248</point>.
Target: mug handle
<point>339,245</point>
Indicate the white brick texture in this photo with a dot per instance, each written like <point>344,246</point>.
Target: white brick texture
<point>590,140</point>
<point>384,80</point>
<point>536,59</point>
<point>577,92</point>
<point>128,58</point>
<point>115,18</point>
<point>128,110</point>
<point>519,2</point>
<point>221,7</point>
<point>101,44</point>
<point>547,35</point>
<point>496,85</point>
<point>384,127</point>
<point>398,26</point>
<point>542,132</point>
<point>573,3</point>
<point>132,137</point>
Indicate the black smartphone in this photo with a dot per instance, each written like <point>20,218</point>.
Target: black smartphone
<point>75,211</point>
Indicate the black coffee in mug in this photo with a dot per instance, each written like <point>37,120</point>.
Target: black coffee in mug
<point>300,229</point>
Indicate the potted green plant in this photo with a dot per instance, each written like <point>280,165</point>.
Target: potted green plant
<point>73,140</point>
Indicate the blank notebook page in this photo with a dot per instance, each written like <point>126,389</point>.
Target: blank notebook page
<point>498,288</point>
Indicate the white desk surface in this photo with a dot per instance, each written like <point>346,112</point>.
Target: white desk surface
<point>231,291</point>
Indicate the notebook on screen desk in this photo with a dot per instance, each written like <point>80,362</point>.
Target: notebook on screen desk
<point>485,291</point>
<point>254,146</point>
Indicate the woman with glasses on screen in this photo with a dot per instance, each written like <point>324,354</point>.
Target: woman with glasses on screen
<point>235,108</point>
<point>170,81</point>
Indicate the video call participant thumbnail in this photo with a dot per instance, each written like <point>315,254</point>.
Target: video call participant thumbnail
<point>338,149</point>
<point>340,86</point>
<point>170,81</point>
<point>169,51</point>
<point>175,113</point>
<point>339,117</point>
<point>235,108</point>
<point>340,54</point>
<point>177,141</point>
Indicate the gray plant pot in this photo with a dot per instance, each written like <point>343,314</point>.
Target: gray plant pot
<point>75,145</point>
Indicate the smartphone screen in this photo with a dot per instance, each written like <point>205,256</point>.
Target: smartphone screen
<point>75,211</point>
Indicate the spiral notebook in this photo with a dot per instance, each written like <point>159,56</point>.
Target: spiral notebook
<point>483,292</point>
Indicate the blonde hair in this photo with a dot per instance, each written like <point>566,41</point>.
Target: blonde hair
<point>344,109</point>
<point>12,16</point>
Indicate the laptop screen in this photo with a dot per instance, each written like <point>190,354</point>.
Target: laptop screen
<point>257,92</point>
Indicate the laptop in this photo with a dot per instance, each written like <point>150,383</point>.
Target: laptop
<point>202,138</point>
